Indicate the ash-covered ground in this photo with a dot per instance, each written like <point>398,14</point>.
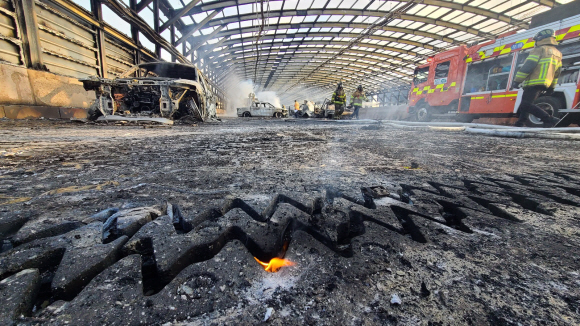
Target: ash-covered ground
<point>452,229</point>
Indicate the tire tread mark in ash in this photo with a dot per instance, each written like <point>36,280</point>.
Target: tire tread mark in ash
<point>192,242</point>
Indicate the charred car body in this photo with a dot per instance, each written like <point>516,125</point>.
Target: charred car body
<point>256,108</point>
<point>158,89</point>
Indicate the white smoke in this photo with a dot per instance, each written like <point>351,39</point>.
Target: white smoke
<point>269,97</point>
<point>237,93</point>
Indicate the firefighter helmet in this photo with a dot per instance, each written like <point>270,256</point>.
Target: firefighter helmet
<point>360,88</point>
<point>339,85</point>
<point>544,34</point>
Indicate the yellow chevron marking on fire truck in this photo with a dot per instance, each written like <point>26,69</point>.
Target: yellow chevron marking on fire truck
<point>529,45</point>
<point>429,90</point>
<point>503,50</point>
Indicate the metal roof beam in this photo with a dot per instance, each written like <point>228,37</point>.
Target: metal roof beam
<point>196,27</point>
<point>178,15</point>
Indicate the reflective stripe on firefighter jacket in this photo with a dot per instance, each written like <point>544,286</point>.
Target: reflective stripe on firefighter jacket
<point>339,98</point>
<point>543,65</point>
<point>357,98</point>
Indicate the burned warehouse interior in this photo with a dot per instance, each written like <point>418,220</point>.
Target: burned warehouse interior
<point>304,162</point>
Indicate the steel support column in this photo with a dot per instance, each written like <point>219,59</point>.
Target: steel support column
<point>29,26</point>
<point>172,40</point>
<point>97,10</point>
<point>135,37</point>
<point>156,26</point>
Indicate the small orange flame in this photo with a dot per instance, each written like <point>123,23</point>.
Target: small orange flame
<point>275,264</point>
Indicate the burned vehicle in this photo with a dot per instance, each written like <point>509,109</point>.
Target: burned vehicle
<point>257,108</point>
<point>154,90</point>
<point>313,110</point>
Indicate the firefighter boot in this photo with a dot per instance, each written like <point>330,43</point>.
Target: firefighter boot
<point>550,122</point>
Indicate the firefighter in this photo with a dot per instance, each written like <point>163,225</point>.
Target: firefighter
<point>539,75</point>
<point>339,100</point>
<point>296,108</point>
<point>356,100</point>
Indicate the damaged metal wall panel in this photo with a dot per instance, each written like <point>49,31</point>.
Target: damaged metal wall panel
<point>119,57</point>
<point>68,46</point>
<point>10,41</point>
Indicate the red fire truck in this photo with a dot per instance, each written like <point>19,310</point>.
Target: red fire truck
<point>476,82</point>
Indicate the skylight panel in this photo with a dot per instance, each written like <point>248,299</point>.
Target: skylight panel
<point>187,20</point>
<point>477,3</point>
<point>490,4</point>
<point>426,11</point>
<point>245,23</point>
<point>452,15</point>
<point>246,9</point>
<point>465,37</point>
<point>304,4</point>
<point>502,7</point>
<point>415,9</point>
<point>334,18</point>
<point>362,4</point>
<point>290,4</point>
<point>323,18</point>
<point>235,25</point>
<point>276,5</point>
<point>431,28</point>
<point>346,4</point>
<point>285,20</point>
<point>230,11</point>
<point>415,25</point>
<point>485,23</point>
<point>521,9</point>
<point>493,27</point>
<point>360,19</point>
<point>197,17</point>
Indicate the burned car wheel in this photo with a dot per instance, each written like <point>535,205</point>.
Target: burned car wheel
<point>246,114</point>
<point>277,115</point>
<point>93,114</point>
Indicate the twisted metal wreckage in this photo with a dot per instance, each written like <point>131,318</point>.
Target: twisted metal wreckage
<point>164,90</point>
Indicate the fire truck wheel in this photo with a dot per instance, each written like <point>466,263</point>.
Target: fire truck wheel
<point>423,113</point>
<point>466,118</point>
<point>549,104</point>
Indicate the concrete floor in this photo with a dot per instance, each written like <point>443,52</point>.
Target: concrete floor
<point>489,235</point>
